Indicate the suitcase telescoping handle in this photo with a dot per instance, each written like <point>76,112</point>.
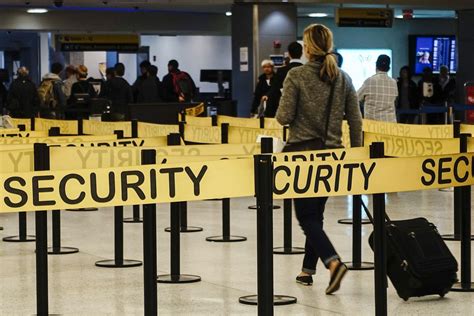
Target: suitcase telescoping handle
<point>369,215</point>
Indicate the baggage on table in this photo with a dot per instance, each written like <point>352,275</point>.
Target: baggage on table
<point>418,261</point>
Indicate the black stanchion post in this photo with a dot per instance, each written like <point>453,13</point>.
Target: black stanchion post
<point>175,140</point>
<point>41,163</point>
<point>149,247</point>
<point>357,263</point>
<point>465,285</point>
<point>57,249</point>
<point>380,242</point>
<point>118,261</point>
<point>175,275</point>
<point>226,236</point>
<point>264,191</point>
<point>214,120</point>
<point>136,208</point>
<point>80,126</point>
<point>262,122</point>
<point>287,248</point>
<point>181,129</point>
<point>457,199</point>
<point>32,123</point>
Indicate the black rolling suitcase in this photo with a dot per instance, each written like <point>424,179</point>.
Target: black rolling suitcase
<point>418,261</point>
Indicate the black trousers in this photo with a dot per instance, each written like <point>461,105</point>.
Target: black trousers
<point>310,215</point>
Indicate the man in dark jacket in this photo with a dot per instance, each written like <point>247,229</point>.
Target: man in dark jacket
<point>23,100</point>
<point>407,96</point>
<point>119,92</point>
<point>144,68</point>
<point>295,50</point>
<point>151,89</point>
<point>178,85</point>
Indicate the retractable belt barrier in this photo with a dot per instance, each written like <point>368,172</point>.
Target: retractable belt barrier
<point>7,141</point>
<point>22,134</point>
<point>48,190</point>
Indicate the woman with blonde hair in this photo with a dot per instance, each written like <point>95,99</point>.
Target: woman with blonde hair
<point>316,98</point>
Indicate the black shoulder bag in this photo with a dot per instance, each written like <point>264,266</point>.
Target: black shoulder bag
<point>316,143</point>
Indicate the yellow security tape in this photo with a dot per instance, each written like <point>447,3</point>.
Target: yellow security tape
<point>247,135</point>
<point>310,179</point>
<point>54,139</point>
<point>9,130</point>
<point>65,126</point>
<point>26,122</point>
<point>202,134</point>
<point>28,134</point>
<point>272,123</point>
<point>238,121</point>
<point>408,130</point>
<point>21,159</point>
<point>50,190</point>
<point>106,128</point>
<point>467,129</point>
<point>195,111</point>
<point>199,121</point>
<point>153,130</point>
<point>398,146</point>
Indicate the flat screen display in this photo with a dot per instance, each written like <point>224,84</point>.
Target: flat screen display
<point>360,63</point>
<point>433,52</point>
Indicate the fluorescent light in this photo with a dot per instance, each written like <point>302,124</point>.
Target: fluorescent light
<point>318,15</point>
<point>37,11</point>
<point>228,13</point>
<point>399,16</point>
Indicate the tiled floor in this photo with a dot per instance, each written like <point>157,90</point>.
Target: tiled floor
<point>228,271</point>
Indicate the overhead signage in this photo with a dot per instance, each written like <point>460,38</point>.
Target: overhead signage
<point>98,42</point>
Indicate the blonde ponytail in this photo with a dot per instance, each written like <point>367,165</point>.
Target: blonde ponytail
<point>318,41</point>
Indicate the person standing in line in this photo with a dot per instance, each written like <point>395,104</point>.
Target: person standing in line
<point>119,92</point>
<point>53,101</point>
<point>71,78</point>
<point>407,95</point>
<point>150,90</point>
<point>429,92</point>
<point>379,93</point>
<point>265,81</point>
<point>295,51</point>
<point>178,85</point>
<point>447,86</point>
<point>144,68</point>
<point>23,100</point>
<point>316,97</point>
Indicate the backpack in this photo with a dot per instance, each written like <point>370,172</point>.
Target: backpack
<point>46,94</point>
<point>183,85</point>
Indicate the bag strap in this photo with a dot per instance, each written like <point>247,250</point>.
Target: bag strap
<point>328,110</point>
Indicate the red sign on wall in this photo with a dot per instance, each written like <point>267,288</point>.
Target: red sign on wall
<point>469,92</point>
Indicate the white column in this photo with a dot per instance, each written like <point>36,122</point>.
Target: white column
<point>44,53</point>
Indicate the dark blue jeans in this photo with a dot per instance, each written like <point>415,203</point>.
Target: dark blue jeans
<point>310,215</point>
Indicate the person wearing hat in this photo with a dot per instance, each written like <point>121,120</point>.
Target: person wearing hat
<point>379,93</point>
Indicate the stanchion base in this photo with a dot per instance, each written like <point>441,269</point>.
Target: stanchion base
<point>125,263</point>
<point>457,287</point>
<point>254,207</point>
<point>446,190</point>
<point>288,251</point>
<point>187,229</point>
<point>132,220</point>
<point>85,209</point>
<point>62,250</point>
<point>29,238</point>
<point>278,300</point>
<point>348,221</point>
<point>226,238</point>
<point>181,278</point>
<point>453,237</point>
<point>360,266</point>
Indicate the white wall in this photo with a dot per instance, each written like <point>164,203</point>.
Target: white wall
<point>92,61</point>
<point>130,62</point>
<point>193,54</point>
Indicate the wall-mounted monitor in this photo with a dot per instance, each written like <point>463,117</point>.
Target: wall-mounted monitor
<point>360,63</point>
<point>433,51</point>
